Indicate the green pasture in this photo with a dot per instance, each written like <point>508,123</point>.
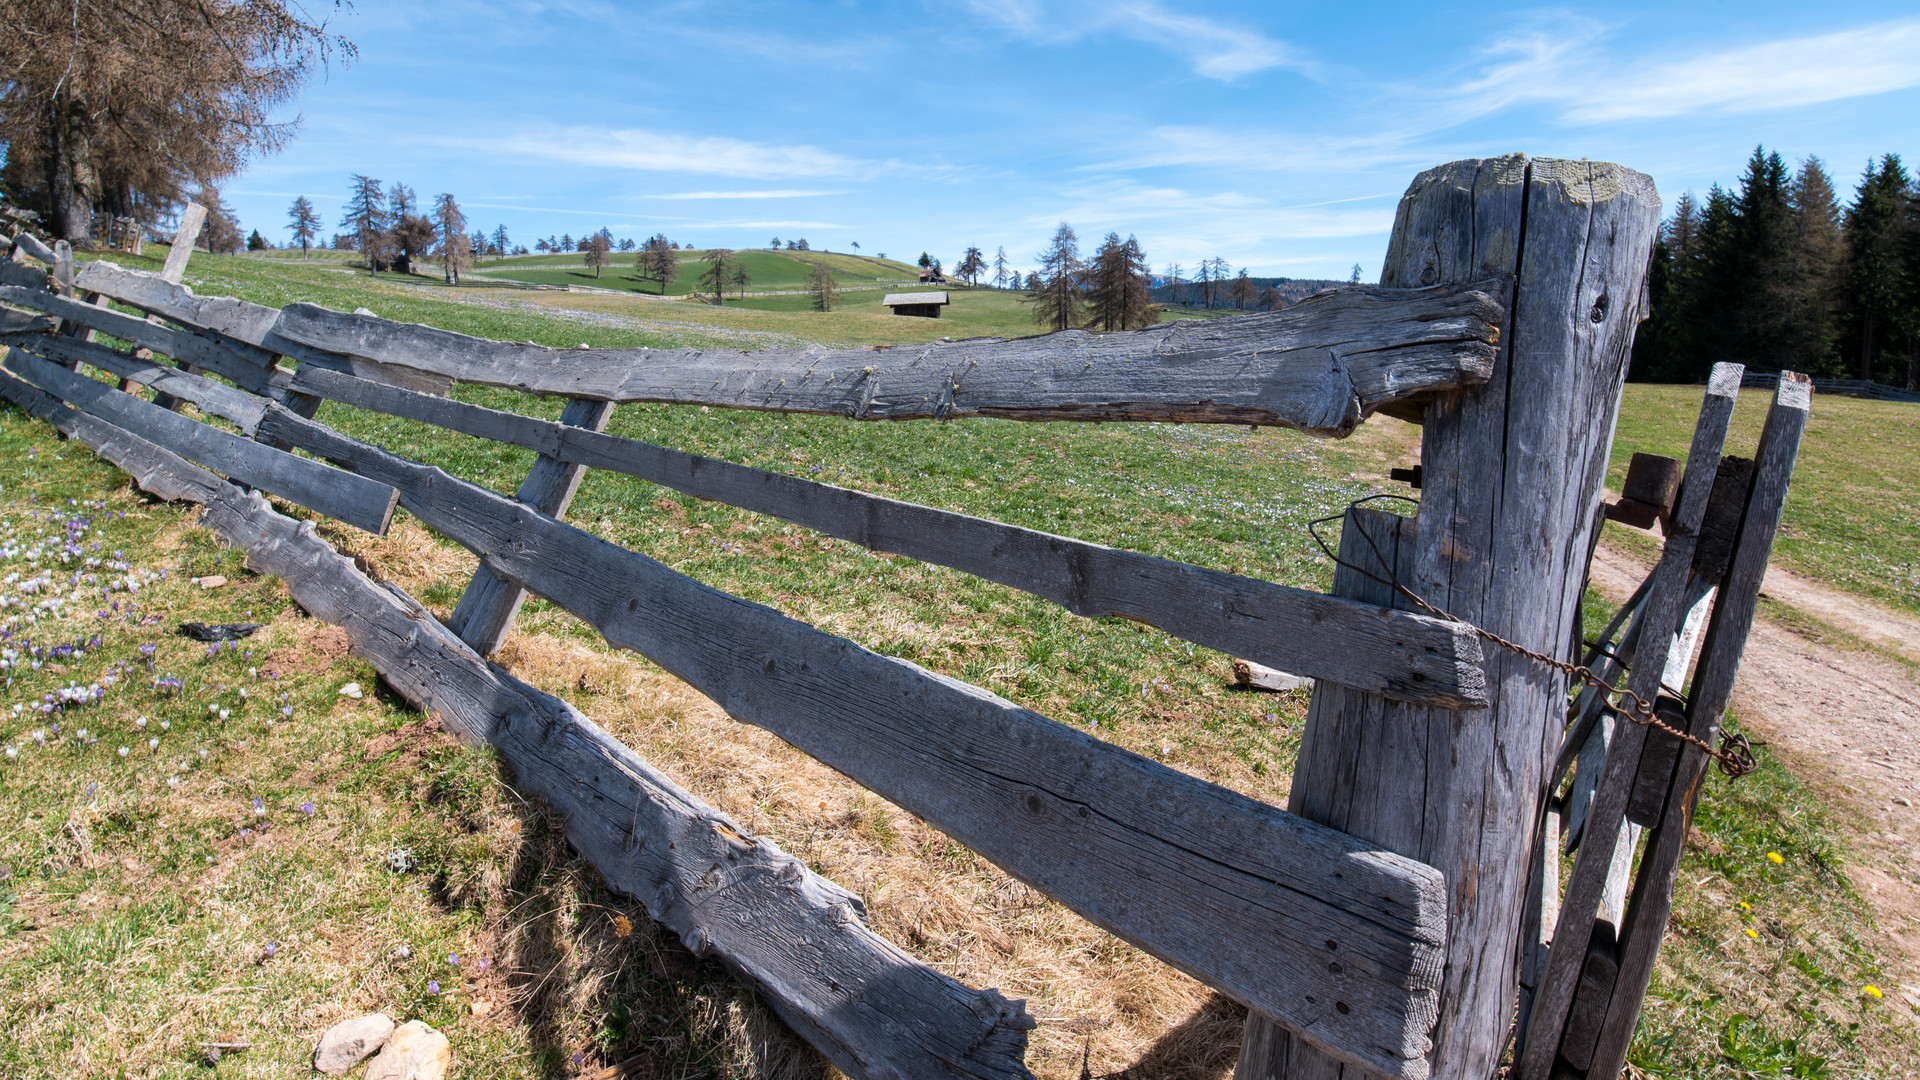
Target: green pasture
<point>767,270</point>
<point>1785,1000</point>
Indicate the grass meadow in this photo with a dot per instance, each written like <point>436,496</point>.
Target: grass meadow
<point>388,868</point>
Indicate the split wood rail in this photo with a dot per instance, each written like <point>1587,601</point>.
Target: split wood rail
<point>1382,925</point>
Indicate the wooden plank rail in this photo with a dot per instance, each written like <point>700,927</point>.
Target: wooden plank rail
<point>234,361</point>
<point>1297,920</point>
<point>238,407</point>
<point>875,1011</point>
<point>1396,654</point>
<point>356,500</point>
<point>1320,366</point>
<point>235,320</point>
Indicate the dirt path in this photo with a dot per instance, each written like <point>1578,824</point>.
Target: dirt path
<point>1846,722</point>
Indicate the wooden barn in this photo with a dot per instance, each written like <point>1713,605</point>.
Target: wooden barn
<point>927,305</point>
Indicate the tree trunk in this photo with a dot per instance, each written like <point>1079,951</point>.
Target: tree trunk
<point>1866,344</point>
<point>69,176</point>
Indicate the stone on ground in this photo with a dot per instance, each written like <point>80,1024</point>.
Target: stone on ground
<point>348,1042</point>
<point>415,1052</point>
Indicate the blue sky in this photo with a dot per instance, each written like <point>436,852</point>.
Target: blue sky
<point>1275,136</point>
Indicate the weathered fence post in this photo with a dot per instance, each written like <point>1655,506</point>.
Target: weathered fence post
<point>487,609</point>
<point>1511,478</point>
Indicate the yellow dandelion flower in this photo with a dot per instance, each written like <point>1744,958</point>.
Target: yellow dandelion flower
<point>1744,906</point>
<point>1775,858</point>
<point>1752,933</point>
<point>1871,991</point>
<point>622,926</point>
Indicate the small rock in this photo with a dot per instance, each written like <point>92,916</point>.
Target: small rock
<point>1903,800</point>
<point>351,690</point>
<point>348,1042</point>
<point>481,1007</point>
<point>211,581</point>
<point>415,1052</point>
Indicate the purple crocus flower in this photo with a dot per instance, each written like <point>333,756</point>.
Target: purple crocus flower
<point>433,986</point>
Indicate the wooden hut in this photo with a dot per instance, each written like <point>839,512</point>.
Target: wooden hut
<point>927,305</point>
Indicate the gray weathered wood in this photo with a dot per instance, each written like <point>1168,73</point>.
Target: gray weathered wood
<point>13,272</point>
<point>1712,689</point>
<point>1261,677</point>
<point>14,321</point>
<point>1666,591</point>
<point>1321,365</point>
<point>240,408</point>
<point>1589,1010</point>
<point>191,219</point>
<point>802,940</point>
<point>1511,481</point>
<point>63,268</point>
<point>356,500</point>
<point>244,370</point>
<point>236,321</point>
<point>1296,919</point>
<point>1591,704</point>
<point>487,608</point>
<point>1400,655</point>
<point>33,246</point>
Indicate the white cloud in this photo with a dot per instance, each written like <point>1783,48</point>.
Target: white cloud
<point>1214,50</point>
<point>741,195</point>
<point>1783,74</point>
<point>660,151</point>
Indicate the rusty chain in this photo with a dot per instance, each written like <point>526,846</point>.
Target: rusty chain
<point>1734,756</point>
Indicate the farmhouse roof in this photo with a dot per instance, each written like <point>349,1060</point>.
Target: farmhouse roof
<point>896,299</point>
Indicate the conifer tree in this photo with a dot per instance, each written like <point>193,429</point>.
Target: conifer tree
<point>1119,295</point>
<point>366,217</point>
<point>1000,268</point>
<point>455,253</point>
<point>1057,302</point>
<point>656,261</point>
<point>718,274</point>
<point>1242,289</point>
<point>826,292</point>
<point>303,222</point>
<point>1879,295</point>
<point>1810,287</point>
<point>598,252</point>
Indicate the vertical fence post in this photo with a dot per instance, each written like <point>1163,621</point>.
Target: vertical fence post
<point>1511,477</point>
<point>486,610</point>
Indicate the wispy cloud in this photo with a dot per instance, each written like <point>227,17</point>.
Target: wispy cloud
<point>741,195</point>
<point>1784,74</point>
<point>662,151</point>
<point>1213,49</point>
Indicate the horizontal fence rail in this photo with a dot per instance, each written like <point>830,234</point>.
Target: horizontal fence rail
<point>1396,654</point>
<point>1340,941</point>
<point>1321,365</point>
<point>1863,388</point>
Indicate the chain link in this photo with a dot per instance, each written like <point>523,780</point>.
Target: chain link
<point>1735,755</point>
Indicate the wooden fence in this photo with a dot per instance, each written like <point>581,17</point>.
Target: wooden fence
<point>1384,922</point>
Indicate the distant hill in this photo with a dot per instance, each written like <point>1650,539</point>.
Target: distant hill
<point>769,270</point>
<point>1189,294</point>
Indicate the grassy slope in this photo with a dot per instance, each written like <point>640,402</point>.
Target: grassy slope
<point>140,914</point>
<point>767,269</point>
